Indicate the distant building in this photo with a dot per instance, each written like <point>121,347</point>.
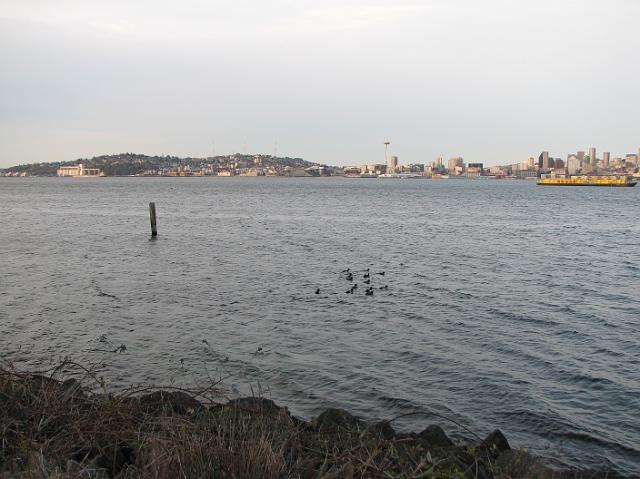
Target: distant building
<point>437,165</point>
<point>77,171</point>
<point>605,159</point>
<point>454,164</point>
<point>543,161</point>
<point>392,164</point>
<point>580,155</point>
<point>377,168</point>
<point>573,164</point>
<point>522,174</point>
<point>476,167</point>
<point>415,168</point>
<point>592,156</point>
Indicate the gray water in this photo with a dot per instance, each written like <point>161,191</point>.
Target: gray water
<point>508,305</point>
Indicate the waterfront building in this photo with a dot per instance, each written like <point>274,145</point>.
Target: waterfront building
<point>437,165</point>
<point>454,164</point>
<point>580,155</point>
<point>523,174</point>
<point>573,164</point>
<point>605,159</point>
<point>631,159</point>
<point>592,156</point>
<point>392,165</point>
<point>531,162</point>
<point>377,168</point>
<point>543,161</point>
<point>77,171</point>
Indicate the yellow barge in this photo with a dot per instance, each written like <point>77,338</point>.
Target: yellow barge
<point>627,181</point>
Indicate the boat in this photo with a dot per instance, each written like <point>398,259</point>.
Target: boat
<point>623,181</point>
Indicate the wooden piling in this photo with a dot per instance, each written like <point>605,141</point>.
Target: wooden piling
<point>152,217</point>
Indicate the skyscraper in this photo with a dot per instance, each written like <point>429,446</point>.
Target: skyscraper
<point>543,161</point>
<point>605,159</point>
<point>454,163</point>
<point>393,164</point>
<point>592,156</point>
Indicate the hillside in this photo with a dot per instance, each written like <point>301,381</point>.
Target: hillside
<point>126,164</point>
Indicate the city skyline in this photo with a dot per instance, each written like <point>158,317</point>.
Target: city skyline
<point>491,82</point>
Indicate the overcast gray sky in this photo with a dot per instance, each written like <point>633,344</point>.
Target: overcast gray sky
<point>494,81</point>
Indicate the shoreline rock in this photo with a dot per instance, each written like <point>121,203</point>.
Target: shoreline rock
<point>58,427</point>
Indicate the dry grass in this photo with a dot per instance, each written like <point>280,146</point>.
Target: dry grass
<point>55,429</point>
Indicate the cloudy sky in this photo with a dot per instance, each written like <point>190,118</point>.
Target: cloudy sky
<point>494,81</point>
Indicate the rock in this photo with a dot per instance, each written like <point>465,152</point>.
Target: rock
<point>256,405</point>
<point>337,418</point>
<point>495,443</point>
<point>383,429</point>
<point>73,388</point>
<point>178,401</point>
<point>435,436</point>
<point>115,459</point>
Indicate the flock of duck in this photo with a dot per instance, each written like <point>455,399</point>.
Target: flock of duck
<point>366,279</point>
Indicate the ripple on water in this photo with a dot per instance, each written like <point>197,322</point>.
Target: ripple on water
<point>499,312</point>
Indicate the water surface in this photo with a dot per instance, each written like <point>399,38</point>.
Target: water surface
<point>508,305</point>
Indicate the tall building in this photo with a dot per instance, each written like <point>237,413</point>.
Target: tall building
<point>543,161</point>
<point>573,164</point>
<point>638,158</point>
<point>454,163</point>
<point>592,156</point>
<point>605,159</point>
<point>580,155</point>
<point>392,165</point>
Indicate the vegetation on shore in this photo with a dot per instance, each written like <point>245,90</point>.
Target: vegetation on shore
<point>126,164</point>
<point>56,426</point>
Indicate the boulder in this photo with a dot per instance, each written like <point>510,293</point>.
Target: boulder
<point>256,405</point>
<point>383,429</point>
<point>495,443</point>
<point>337,419</point>
<point>435,436</point>
<point>178,401</point>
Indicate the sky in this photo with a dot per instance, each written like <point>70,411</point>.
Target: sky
<point>493,81</point>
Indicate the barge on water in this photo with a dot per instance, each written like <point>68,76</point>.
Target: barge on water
<point>547,180</point>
